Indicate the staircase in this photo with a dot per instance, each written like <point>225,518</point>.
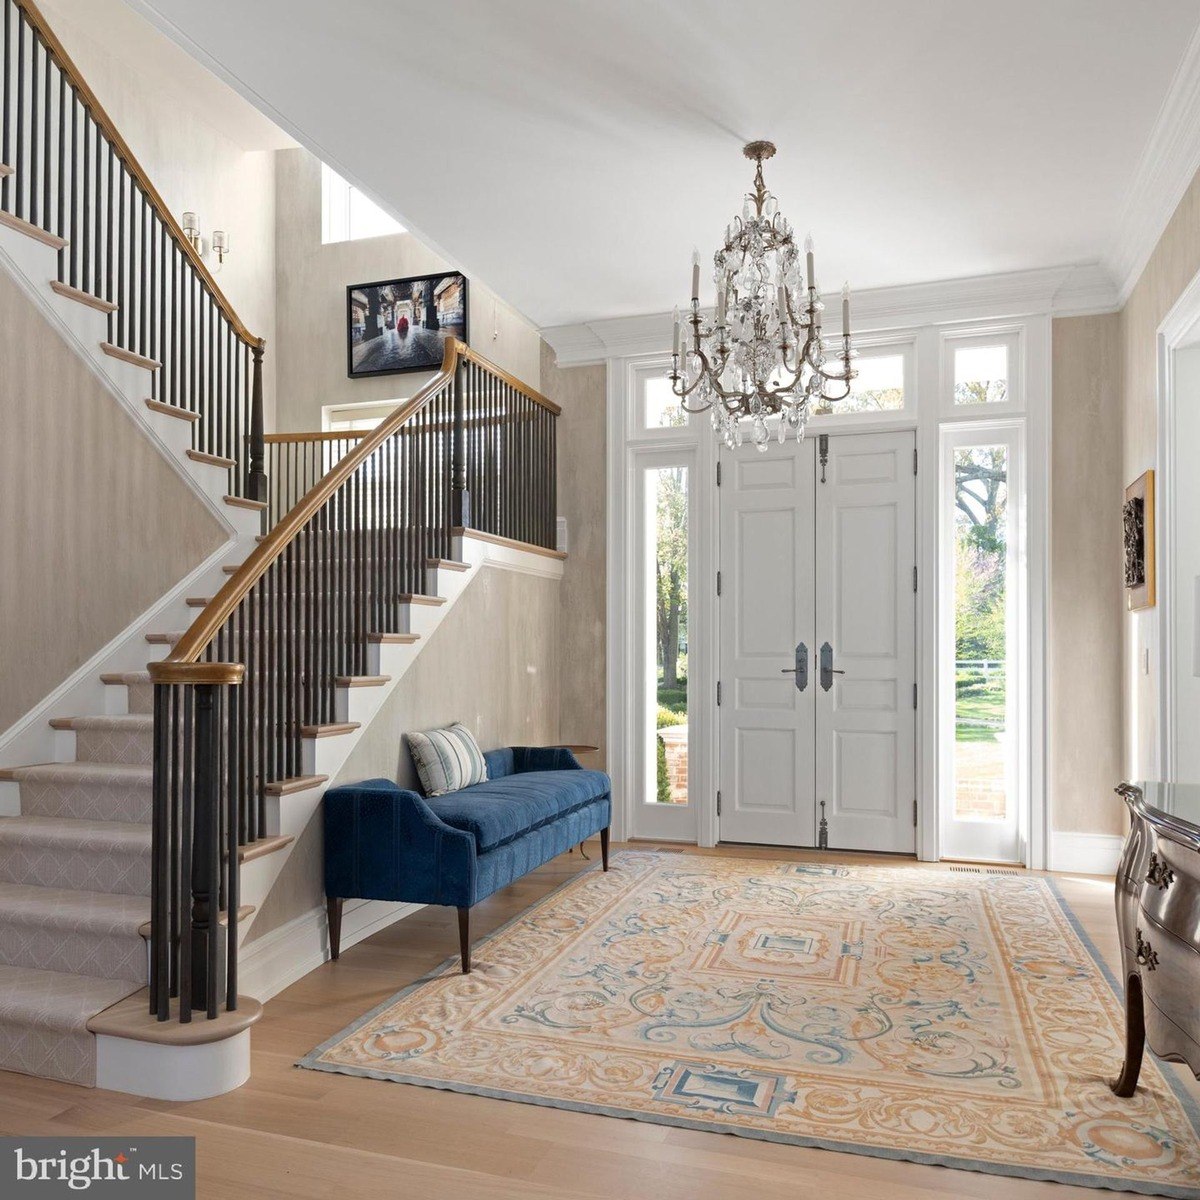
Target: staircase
<point>147,820</point>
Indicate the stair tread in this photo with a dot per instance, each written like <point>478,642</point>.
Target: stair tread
<point>212,460</point>
<point>93,912</point>
<point>34,231</point>
<point>361,680</point>
<point>130,356</point>
<point>82,297</point>
<point>264,845</point>
<point>71,833</point>
<point>394,638</point>
<point>172,410</point>
<point>330,729</point>
<point>296,783</point>
<point>244,502</point>
<point>125,678</point>
<point>105,774</point>
<point>448,564</point>
<point>417,598</point>
<point>56,1001</point>
<point>126,722</point>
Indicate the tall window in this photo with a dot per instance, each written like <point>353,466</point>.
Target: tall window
<point>983,660</point>
<point>347,215</point>
<point>666,499</point>
<point>981,723</point>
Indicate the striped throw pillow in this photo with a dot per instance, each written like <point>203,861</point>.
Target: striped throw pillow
<point>447,759</point>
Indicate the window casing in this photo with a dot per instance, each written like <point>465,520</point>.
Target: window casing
<point>349,216</point>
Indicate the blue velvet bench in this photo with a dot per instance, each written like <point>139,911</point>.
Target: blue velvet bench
<point>384,842</point>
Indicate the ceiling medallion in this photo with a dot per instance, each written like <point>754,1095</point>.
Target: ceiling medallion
<point>764,354</point>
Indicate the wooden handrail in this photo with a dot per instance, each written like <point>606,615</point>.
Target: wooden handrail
<point>126,155</point>
<point>196,640</point>
<point>474,356</point>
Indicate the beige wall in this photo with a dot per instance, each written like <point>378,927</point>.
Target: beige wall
<point>1175,261</point>
<point>312,305</point>
<point>142,81</point>
<point>97,525</point>
<point>1084,621</point>
<point>493,664</point>
<point>582,502</point>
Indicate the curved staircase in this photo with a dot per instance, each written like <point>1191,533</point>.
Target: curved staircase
<point>147,806</point>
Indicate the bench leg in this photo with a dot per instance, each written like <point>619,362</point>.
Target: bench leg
<point>604,847</point>
<point>333,906</point>
<point>464,939</point>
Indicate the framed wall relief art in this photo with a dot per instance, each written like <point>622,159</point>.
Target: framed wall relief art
<point>398,325</point>
<point>1138,515</point>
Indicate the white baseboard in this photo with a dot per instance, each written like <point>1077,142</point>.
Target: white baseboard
<point>275,961</point>
<point>1085,853</point>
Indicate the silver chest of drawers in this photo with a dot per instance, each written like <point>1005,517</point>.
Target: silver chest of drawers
<point>1158,915</point>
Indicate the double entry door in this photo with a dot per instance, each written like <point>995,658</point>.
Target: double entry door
<point>817,711</point>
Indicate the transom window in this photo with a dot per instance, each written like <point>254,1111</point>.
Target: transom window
<point>981,373</point>
<point>880,383</point>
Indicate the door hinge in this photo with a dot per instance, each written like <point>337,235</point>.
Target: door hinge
<point>718,583</point>
<point>914,814</point>
<point>718,474</point>
<point>914,579</point>
<point>914,695</point>
<point>914,460</point>
<point>718,804</point>
<point>718,693</point>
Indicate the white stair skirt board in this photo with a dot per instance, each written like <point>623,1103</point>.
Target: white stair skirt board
<point>278,959</point>
<point>281,957</point>
<point>84,329</point>
<point>172,1072</point>
<point>1085,853</point>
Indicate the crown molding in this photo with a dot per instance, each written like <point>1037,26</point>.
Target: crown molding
<point>1055,291</point>
<point>1167,167</point>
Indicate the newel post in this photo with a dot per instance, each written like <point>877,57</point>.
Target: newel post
<point>460,497</point>
<point>256,476</point>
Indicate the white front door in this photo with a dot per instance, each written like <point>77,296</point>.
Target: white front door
<point>866,641</point>
<point>766,709</point>
<point>817,550</point>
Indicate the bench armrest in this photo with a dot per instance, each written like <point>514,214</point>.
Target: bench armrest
<point>383,842</point>
<point>543,758</point>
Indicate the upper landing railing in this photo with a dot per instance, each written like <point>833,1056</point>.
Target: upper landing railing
<point>72,177</point>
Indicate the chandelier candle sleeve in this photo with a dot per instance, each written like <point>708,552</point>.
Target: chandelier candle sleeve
<point>763,357</point>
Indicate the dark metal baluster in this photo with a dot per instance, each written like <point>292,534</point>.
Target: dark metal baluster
<point>35,43</point>
<point>183,890</point>
<point>160,900</point>
<point>18,163</point>
<point>233,889</point>
<point>6,135</point>
<point>85,249</point>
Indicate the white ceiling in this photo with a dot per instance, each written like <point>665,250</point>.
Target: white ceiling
<point>570,153</point>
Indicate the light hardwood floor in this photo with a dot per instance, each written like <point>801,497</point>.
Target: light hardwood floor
<point>292,1133</point>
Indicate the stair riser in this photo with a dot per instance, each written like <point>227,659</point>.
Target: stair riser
<point>140,699</point>
<point>133,748</point>
<point>87,801</point>
<point>85,870</point>
<point>53,948</point>
<point>70,1057</point>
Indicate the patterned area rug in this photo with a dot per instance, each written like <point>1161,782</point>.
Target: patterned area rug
<point>913,1014</point>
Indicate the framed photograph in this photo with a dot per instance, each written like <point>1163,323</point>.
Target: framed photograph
<point>398,325</point>
<point>1138,520</point>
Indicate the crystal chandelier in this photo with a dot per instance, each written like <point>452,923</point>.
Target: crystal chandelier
<point>764,354</point>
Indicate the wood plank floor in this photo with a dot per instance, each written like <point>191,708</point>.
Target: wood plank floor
<point>292,1133</point>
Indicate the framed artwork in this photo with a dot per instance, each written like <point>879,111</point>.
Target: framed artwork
<point>1138,520</point>
<point>397,325</point>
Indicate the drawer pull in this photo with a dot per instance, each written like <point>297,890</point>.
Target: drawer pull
<point>1159,875</point>
<point>1145,956</point>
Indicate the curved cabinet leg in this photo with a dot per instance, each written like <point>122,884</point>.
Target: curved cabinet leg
<point>1135,1038</point>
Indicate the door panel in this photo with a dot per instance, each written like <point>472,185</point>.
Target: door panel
<point>866,610</point>
<point>766,609</point>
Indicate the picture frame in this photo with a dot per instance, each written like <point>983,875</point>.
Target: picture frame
<point>1137,516</point>
<point>394,326</point>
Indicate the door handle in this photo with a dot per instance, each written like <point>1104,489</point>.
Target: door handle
<point>828,671</point>
<point>800,670</point>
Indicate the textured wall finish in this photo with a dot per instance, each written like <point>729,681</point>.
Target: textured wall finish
<point>1084,695</point>
<point>312,305</point>
<point>493,664</point>
<point>582,502</point>
<point>1174,263</point>
<point>97,525</point>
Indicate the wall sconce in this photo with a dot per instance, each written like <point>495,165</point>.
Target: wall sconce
<point>191,230</point>
<point>220,245</point>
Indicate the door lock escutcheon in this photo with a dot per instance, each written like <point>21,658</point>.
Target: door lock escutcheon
<point>800,670</point>
<point>828,670</point>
